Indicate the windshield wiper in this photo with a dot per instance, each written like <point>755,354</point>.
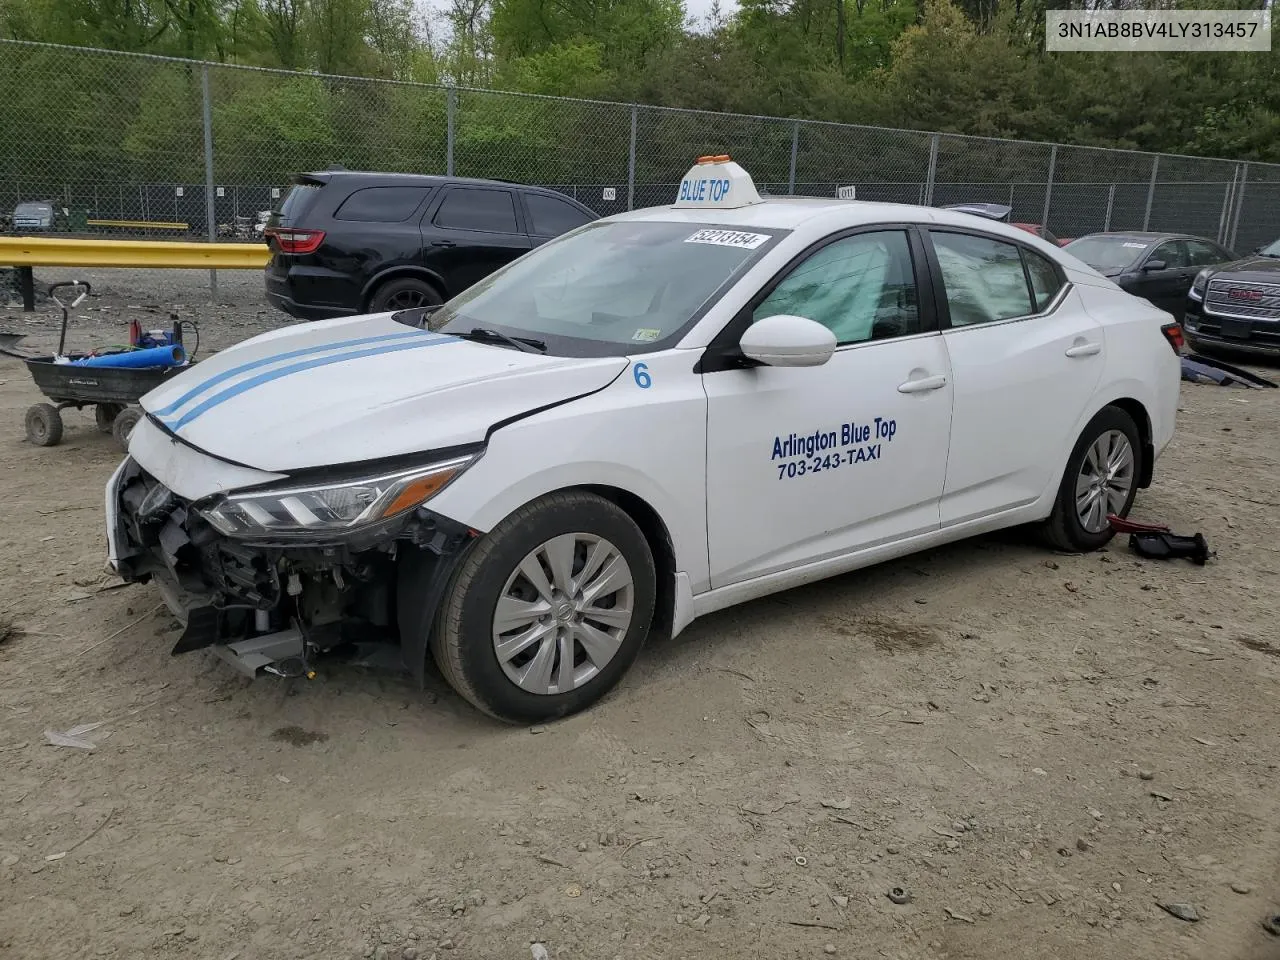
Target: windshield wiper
<point>489,335</point>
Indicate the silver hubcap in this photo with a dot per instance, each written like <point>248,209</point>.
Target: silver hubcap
<point>1106,477</point>
<point>563,614</point>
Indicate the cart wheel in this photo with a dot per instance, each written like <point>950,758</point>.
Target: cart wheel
<point>105,414</point>
<point>44,425</point>
<point>126,420</point>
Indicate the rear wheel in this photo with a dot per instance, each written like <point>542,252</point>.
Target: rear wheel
<point>548,610</point>
<point>44,425</point>
<point>1101,480</point>
<point>125,421</point>
<point>105,414</point>
<point>404,294</point>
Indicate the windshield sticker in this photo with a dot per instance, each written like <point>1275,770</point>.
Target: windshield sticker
<point>1136,246</point>
<point>646,335</point>
<point>798,455</point>
<point>729,238</point>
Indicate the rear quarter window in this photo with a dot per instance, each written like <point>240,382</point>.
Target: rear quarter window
<point>382,204</point>
<point>551,216</point>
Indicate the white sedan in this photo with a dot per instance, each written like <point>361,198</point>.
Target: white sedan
<point>656,416</point>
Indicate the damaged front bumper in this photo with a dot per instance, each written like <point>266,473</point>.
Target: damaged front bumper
<point>270,606</point>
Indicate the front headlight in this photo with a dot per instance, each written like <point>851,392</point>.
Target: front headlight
<point>1199,283</point>
<point>331,508</point>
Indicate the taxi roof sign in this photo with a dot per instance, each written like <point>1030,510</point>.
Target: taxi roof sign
<point>716,182</point>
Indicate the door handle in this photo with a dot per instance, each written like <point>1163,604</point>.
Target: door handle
<point>924,385</point>
<point>1084,350</point>
<point>443,243</point>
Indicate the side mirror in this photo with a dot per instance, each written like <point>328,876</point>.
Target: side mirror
<point>1151,265</point>
<point>788,341</point>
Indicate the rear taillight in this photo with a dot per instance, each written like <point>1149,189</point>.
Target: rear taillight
<point>296,241</point>
<point>1173,333</point>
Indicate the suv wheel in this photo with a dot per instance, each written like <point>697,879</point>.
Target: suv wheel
<point>404,294</point>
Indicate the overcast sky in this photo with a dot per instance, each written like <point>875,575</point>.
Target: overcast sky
<point>696,9</point>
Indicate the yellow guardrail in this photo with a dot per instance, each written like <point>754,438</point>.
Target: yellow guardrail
<point>73,252</point>
<point>140,224</point>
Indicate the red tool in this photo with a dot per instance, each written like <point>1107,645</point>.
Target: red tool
<point>1120,525</point>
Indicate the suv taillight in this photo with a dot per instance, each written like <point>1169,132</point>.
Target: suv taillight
<point>296,241</point>
<point>1173,333</point>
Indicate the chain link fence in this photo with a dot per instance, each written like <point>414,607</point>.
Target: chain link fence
<point>132,145</point>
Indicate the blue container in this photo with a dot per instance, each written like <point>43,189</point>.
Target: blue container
<point>171,356</point>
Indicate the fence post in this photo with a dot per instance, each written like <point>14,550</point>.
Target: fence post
<point>1048,187</point>
<point>451,110</point>
<point>1151,191</point>
<point>211,226</point>
<point>795,150</point>
<point>1111,200</point>
<point>1235,227</point>
<point>933,169</point>
<point>1228,192</point>
<point>631,164</point>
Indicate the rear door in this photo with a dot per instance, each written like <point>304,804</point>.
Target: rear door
<point>471,232</point>
<point>1025,361</point>
<point>548,216</point>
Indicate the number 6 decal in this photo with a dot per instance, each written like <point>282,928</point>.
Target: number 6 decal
<point>641,373</point>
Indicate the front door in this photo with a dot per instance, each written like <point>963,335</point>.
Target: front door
<point>1025,360</point>
<point>1166,287</point>
<point>805,464</point>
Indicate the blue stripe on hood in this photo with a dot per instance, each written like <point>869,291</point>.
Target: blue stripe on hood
<point>276,358</point>
<point>276,374</point>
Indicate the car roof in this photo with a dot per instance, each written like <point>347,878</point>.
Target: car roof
<point>425,179</point>
<point>1145,236</point>
<point>787,213</point>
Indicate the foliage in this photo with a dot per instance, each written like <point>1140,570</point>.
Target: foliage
<point>964,66</point>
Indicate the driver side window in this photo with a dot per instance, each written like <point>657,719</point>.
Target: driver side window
<point>1173,253</point>
<point>860,288</point>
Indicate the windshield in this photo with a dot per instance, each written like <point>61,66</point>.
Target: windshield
<point>32,210</point>
<point>610,288</point>
<point>1107,254</point>
<point>1270,250</point>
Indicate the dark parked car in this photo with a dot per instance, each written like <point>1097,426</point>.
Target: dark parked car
<point>346,242</point>
<point>1155,266</point>
<point>1237,305</point>
<point>38,215</point>
<point>998,211</point>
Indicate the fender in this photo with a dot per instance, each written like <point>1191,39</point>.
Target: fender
<point>1131,390</point>
<point>402,270</point>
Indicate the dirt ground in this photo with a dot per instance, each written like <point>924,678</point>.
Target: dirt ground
<point>1038,749</point>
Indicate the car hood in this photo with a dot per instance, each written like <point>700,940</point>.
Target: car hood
<point>1262,269</point>
<point>356,389</point>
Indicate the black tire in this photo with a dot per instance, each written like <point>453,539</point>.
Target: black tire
<point>404,294</point>
<point>125,421</point>
<point>461,637</point>
<point>44,425</point>
<point>1064,530</point>
<point>105,415</point>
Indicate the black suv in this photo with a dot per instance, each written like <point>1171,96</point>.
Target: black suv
<point>1237,305</point>
<point>346,242</point>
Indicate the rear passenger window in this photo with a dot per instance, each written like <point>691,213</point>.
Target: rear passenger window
<point>382,204</point>
<point>1044,279</point>
<point>983,279</point>
<point>471,208</point>
<point>552,216</point>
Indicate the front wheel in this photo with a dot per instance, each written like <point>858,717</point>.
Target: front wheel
<point>548,610</point>
<point>1101,480</point>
